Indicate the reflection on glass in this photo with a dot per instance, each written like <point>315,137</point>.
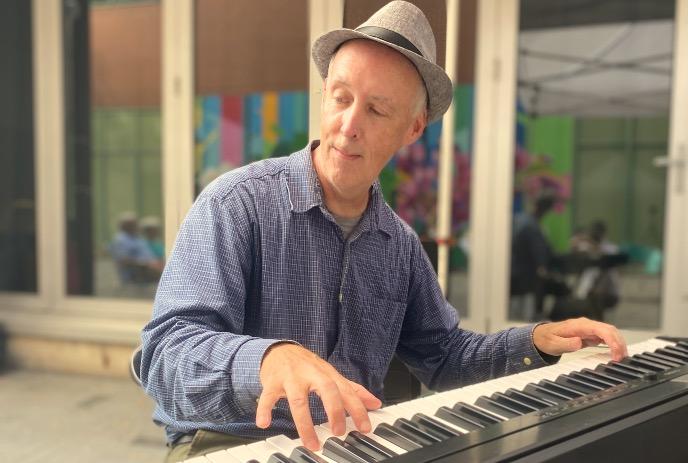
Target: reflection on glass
<point>252,100</point>
<point>594,90</point>
<point>410,181</point>
<point>17,197</point>
<point>112,99</point>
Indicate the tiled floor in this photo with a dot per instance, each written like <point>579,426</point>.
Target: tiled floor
<point>55,418</point>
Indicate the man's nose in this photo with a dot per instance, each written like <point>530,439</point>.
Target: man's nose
<point>351,121</point>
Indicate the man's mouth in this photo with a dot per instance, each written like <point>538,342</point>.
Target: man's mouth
<point>345,153</point>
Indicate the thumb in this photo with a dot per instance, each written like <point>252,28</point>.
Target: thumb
<point>266,402</point>
<point>569,344</point>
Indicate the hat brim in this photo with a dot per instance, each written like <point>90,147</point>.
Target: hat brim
<point>437,83</point>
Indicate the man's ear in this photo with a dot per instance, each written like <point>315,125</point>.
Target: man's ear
<point>416,129</point>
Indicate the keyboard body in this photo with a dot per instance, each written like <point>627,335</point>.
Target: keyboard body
<point>584,409</point>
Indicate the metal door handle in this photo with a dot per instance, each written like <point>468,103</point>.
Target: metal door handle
<point>678,162</point>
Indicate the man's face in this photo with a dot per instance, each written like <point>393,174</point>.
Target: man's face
<point>370,110</point>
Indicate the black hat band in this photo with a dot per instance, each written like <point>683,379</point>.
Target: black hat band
<point>391,37</point>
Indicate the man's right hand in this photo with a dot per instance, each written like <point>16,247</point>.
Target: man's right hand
<point>291,371</point>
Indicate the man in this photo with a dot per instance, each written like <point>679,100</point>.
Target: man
<point>292,284</point>
<point>136,263</point>
<point>531,256</point>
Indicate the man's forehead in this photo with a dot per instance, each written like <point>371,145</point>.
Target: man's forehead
<point>353,50</point>
<point>342,81</point>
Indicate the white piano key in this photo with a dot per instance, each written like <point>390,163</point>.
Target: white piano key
<point>201,459</point>
<point>239,453</point>
<point>221,456</point>
<point>284,444</point>
<point>257,451</point>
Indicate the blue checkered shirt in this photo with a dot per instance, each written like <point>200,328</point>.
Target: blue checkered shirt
<point>260,259</point>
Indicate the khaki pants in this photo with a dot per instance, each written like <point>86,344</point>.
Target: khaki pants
<point>205,442</point>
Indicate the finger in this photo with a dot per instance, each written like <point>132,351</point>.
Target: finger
<point>300,412</point>
<point>615,341</point>
<point>357,410</point>
<point>607,333</point>
<point>334,406</point>
<point>369,400</point>
<point>266,402</point>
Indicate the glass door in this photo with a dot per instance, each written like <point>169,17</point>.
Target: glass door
<point>593,128</point>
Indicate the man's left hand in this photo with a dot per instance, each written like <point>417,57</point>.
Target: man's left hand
<point>571,335</point>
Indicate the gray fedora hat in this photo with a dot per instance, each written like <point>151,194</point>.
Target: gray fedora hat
<point>403,27</point>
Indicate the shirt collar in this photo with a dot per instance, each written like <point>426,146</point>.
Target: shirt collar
<point>305,192</point>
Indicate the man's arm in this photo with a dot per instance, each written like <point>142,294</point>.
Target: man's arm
<point>445,356</point>
<point>197,363</point>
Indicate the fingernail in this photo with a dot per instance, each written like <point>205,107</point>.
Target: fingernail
<point>313,445</point>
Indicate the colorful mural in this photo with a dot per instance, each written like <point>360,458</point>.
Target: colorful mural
<point>231,131</point>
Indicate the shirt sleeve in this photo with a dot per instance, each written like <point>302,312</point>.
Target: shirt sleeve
<point>196,362</point>
<point>443,355</point>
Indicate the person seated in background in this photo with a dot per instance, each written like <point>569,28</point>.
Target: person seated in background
<point>150,228</point>
<point>596,288</point>
<point>531,257</point>
<point>135,261</point>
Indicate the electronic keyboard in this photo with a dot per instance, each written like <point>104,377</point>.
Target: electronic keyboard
<point>585,409</point>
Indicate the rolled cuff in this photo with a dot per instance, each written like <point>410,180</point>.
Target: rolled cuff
<point>523,355</point>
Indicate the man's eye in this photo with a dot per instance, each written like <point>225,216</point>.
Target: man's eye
<point>339,100</point>
<point>376,112</point>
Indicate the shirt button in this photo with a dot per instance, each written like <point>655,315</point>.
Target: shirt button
<point>527,361</point>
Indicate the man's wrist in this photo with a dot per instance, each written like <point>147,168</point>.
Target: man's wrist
<point>547,358</point>
<point>278,343</point>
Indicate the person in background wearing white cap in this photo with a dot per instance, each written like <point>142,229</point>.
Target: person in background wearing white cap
<point>136,263</point>
<point>292,283</point>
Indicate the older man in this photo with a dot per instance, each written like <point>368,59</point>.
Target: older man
<point>292,284</point>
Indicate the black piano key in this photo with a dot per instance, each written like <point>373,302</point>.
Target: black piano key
<point>541,392</point>
<point>434,426</point>
<point>561,389</point>
<point>634,368</point>
<point>672,353</point>
<point>369,446</point>
<point>303,455</point>
<point>603,376</point>
<point>513,402</point>
<point>279,458</point>
<point>614,370</point>
<point>658,362</point>
<point>343,452</point>
<point>577,384</point>
<point>484,417</point>
<point>679,347</point>
<point>398,437</point>
<point>674,362</point>
<point>683,344</point>
<point>538,402</point>
<point>459,419</point>
<point>412,428</point>
<point>636,362</point>
<point>493,406</point>
<point>678,352</point>
<point>590,380</point>
<point>253,460</point>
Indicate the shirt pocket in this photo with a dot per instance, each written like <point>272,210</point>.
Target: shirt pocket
<point>375,332</point>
